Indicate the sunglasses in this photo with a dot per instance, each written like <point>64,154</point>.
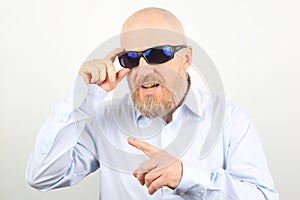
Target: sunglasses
<point>154,55</point>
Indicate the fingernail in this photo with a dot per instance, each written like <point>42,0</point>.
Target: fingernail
<point>132,139</point>
<point>129,140</point>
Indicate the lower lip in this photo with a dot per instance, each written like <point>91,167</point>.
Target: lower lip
<point>152,91</point>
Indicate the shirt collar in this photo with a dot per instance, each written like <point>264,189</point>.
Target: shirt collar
<point>193,99</point>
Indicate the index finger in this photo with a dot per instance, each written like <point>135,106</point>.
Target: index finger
<point>114,53</point>
<point>147,148</point>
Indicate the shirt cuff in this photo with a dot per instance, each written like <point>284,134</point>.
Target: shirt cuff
<point>194,181</point>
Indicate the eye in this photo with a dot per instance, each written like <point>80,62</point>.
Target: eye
<point>132,54</point>
<point>167,51</point>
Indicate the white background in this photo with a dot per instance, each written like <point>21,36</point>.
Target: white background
<point>255,46</point>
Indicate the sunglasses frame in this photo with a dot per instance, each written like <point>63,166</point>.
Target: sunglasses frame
<point>140,54</point>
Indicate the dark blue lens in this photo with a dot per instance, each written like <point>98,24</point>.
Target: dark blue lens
<point>132,54</point>
<point>167,50</point>
<point>147,52</point>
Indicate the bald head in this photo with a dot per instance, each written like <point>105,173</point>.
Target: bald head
<point>151,27</point>
<point>153,18</point>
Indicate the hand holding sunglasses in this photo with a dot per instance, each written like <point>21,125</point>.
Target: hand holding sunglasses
<point>154,55</point>
<point>102,71</point>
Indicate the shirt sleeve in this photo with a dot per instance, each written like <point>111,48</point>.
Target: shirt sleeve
<point>57,158</point>
<point>245,174</point>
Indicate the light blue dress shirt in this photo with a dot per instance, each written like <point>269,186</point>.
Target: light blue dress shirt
<point>85,133</point>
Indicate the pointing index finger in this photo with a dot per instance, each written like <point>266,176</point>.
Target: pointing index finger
<point>147,148</point>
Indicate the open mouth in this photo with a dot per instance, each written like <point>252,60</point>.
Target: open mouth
<point>150,86</point>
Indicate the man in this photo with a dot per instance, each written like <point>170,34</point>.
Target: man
<point>84,133</point>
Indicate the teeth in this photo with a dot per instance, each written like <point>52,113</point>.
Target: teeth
<point>150,85</point>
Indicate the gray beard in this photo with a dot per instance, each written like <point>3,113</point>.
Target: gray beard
<point>172,96</point>
<point>153,107</point>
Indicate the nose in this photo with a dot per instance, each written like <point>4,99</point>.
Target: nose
<point>144,68</point>
<point>142,61</point>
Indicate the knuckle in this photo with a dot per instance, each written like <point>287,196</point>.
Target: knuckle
<point>148,179</point>
<point>166,175</point>
<point>143,167</point>
<point>140,174</point>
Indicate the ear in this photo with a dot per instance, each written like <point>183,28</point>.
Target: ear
<point>187,57</point>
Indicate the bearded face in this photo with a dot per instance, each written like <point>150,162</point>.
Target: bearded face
<point>157,94</point>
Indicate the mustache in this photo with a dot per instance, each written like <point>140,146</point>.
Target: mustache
<point>150,78</point>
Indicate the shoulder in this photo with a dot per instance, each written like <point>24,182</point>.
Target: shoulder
<point>230,118</point>
<point>215,103</point>
<point>237,122</point>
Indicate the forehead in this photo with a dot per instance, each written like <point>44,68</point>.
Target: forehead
<point>141,39</point>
